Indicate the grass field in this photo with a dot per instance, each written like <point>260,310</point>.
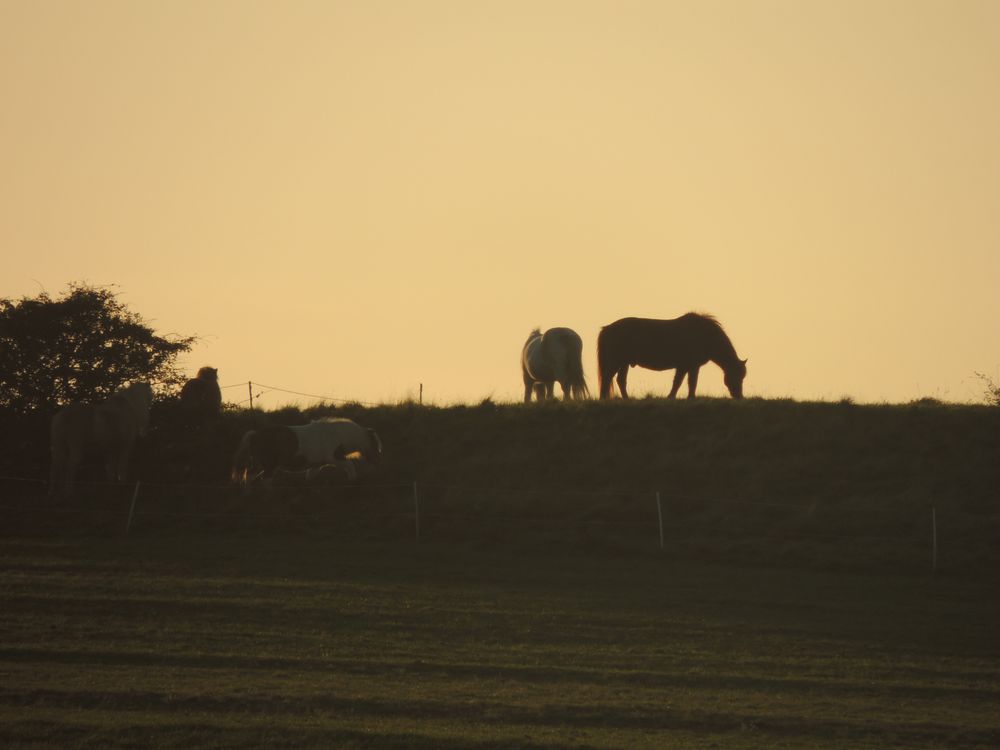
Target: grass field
<point>269,640</point>
<point>792,604</point>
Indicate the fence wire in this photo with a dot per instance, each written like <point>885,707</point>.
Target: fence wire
<point>471,506</point>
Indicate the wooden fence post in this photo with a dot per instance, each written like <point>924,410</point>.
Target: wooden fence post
<point>131,510</point>
<point>250,391</point>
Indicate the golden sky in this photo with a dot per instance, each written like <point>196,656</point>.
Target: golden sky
<point>353,198</point>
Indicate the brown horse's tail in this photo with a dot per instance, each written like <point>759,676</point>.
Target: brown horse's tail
<point>606,366</point>
<point>243,459</point>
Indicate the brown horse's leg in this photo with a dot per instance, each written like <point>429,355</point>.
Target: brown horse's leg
<point>622,378</point>
<point>692,381</point>
<point>678,379</point>
<point>604,384</point>
<point>528,388</point>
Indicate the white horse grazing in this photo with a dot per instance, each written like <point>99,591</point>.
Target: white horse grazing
<point>109,429</point>
<point>553,357</point>
<point>327,440</point>
<point>324,441</point>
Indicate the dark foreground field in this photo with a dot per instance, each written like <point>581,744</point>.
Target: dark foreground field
<point>211,641</point>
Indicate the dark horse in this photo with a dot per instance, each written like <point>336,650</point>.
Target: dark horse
<point>684,344</point>
<point>201,398</point>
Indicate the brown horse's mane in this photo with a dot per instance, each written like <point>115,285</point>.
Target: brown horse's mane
<point>707,317</point>
<point>712,321</point>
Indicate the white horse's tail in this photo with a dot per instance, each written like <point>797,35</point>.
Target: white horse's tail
<point>577,382</point>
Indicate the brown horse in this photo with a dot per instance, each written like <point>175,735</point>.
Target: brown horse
<point>201,398</point>
<point>109,429</point>
<point>684,344</point>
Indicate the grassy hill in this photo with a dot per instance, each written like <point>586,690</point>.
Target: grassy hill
<point>790,606</point>
<point>758,481</point>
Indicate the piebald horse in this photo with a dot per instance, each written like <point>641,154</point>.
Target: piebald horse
<point>555,356</point>
<point>324,441</point>
<point>109,429</point>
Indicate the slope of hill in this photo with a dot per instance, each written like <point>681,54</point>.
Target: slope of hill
<point>761,481</point>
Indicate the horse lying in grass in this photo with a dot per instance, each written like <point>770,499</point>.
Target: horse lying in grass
<point>109,429</point>
<point>324,441</point>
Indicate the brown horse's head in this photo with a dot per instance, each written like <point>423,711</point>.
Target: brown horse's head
<point>734,376</point>
<point>262,451</point>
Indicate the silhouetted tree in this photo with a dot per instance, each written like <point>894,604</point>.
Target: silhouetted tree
<point>81,346</point>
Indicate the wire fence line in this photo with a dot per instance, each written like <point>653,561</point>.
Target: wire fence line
<point>250,384</point>
<point>610,493</point>
<point>411,502</point>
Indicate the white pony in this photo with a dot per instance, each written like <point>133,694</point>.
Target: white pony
<point>324,441</point>
<point>553,357</point>
<point>331,438</point>
<point>110,429</point>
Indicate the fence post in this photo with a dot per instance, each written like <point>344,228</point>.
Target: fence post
<point>659,513</point>
<point>416,511</point>
<point>250,391</point>
<point>421,394</point>
<point>131,509</point>
<point>933,539</point>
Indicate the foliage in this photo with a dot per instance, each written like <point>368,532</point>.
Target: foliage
<point>81,346</point>
<point>991,391</point>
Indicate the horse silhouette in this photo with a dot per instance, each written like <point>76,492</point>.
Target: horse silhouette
<point>109,429</point>
<point>324,441</point>
<point>201,397</point>
<point>553,357</point>
<point>683,344</point>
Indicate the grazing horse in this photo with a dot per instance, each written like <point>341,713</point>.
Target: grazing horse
<point>109,429</point>
<point>551,357</point>
<point>201,397</point>
<point>684,344</point>
<point>325,441</point>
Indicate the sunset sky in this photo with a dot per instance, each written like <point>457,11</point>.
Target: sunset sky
<point>352,198</point>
